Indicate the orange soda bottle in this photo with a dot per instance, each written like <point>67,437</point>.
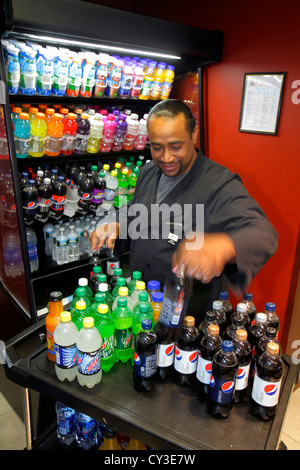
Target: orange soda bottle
<point>156,302</point>
<point>52,320</point>
<point>54,136</point>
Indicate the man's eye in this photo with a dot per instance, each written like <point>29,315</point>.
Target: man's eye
<point>156,149</point>
<point>175,147</point>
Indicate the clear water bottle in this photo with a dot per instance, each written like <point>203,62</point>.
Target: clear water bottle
<point>32,249</point>
<point>73,244</point>
<point>65,424</point>
<point>53,239</point>
<point>62,249</point>
<point>12,252</point>
<point>85,431</point>
<point>48,230</point>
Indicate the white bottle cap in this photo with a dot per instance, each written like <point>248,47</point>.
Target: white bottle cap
<point>241,307</point>
<point>217,305</point>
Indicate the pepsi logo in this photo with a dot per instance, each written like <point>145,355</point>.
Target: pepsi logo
<point>112,265</point>
<point>208,368</point>
<point>270,389</point>
<point>227,387</point>
<point>178,354</point>
<point>137,359</point>
<point>241,374</point>
<point>193,357</point>
<point>31,204</point>
<point>169,350</point>
<point>212,381</point>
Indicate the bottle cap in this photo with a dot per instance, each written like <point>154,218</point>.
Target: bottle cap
<point>122,302</point>
<point>189,321</point>
<point>102,308</point>
<point>16,110</point>
<point>261,318</point>
<point>105,166</point>
<point>153,285</point>
<point>79,292</point>
<point>80,305</point>
<point>71,116</point>
<point>97,269</point>
<point>102,278</point>
<point>65,317</point>
<point>114,173</point>
<point>146,324</point>
<point>125,171</point>
<point>143,307</point>
<point>121,281</point>
<point>136,275</point>
<point>103,287</point>
<point>227,346</point>
<point>217,305</point>
<point>118,165</point>
<point>157,296</point>
<point>271,332</point>
<point>24,116</point>
<point>224,295</point>
<point>273,348</point>
<point>40,116</point>
<point>50,111</point>
<point>241,334</point>
<point>88,322</point>
<point>247,296</point>
<point>213,329</point>
<point>140,285</point>
<point>56,296</point>
<point>241,307</point>
<point>82,282</point>
<point>85,116</point>
<point>123,291</point>
<point>270,307</point>
<point>99,297</point>
<point>118,271</point>
<point>143,296</point>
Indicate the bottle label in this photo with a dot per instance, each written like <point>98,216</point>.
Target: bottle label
<point>107,347</point>
<point>65,356</point>
<point>265,393</point>
<point>66,425</point>
<point>73,240</point>
<point>109,195</point>
<point>33,253</point>
<point>89,363</point>
<point>110,267</point>
<point>50,342</point>
<point>185,362</point>
<point>165,354</point>
<point>203,372</point>
<point>242,377</point>
<point>58,202</point>
<point>221,391</point>
<point>144,366</point>
<point>171,312</point>
<point>123,338</point>
<point>85,429</point>
<point>97,196</point>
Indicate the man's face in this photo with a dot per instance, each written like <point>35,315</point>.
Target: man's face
<point>172,146</point>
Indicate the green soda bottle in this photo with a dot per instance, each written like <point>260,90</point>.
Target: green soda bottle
<point>136,276</point>
<point>105,325</point>
<point>83,282</point>
<point>139,287</point>
<point>142,314</point>
<point>143,298</point>
<point>122,293</point>
<point>121,282</point>
<point>99,299</point>
<point>79,294</point>
<point>103,289</point>
<point>122,318</point>
<point>79,314</point>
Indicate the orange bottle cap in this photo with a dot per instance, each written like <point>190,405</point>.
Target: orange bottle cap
<point>23,116</point>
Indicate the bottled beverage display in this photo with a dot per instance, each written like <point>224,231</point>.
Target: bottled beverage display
<point>65,337</point>
<point>144,369</point>
<point>186,352</point>
<point>89,372</point>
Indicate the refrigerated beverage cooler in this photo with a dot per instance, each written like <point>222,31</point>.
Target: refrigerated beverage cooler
<point>73,74</point>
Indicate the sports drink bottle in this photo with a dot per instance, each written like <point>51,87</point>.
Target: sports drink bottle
<point>109,129</point>
<point>83,132</point>
<point>251,309</point>
<point>101,75</point>
<point>69,135</point>
<point>89,343</point>
<point>22,135</point>
<point>272,318</point>
<point>38,132</point>
<point>267,383</point>
<point>243,352</point>
<point>131,133</point>
<point>186,352</point>
<point>222,382</point>
<point>120,133</point>
<point>209,345</point>
<point>142,137</point>
<point>65,337</point>
<point>145,351</point>
<point>122,317</point>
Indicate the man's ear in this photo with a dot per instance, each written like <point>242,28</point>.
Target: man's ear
<point>195,134</point>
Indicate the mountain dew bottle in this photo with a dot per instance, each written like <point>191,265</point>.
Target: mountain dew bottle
<point>99,299</point>
<point>121,282</point>
<point>136,276</point>
<point>105,325</point>
<point>79,314</point>
<point>79,294</point>
<point>143,298</point>
<point>142,314</point>
<point>122,318</point>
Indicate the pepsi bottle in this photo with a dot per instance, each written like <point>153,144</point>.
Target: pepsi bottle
<point>272,318</point>
<point>98,191</point>
<point>44,200</point>
<point>144,369</point>
<point>85,192</point>
<point>251,309</point>
<point>30,201</point>
<point>71,175</point>
<point>269,336</point>
<point>186,352</point>
<point>210,317</point>
<point>257,329</point>
<point>267,383</point>
<point>224,297</point>
<point>219,311</point>
<point>222,382</point>
<point>241,309</point>
<point>58,198</point>
<point>237,322</point>
<point>210,344</point>
<point>243,352</point>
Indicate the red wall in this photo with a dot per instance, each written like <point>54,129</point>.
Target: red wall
<point>259,36</point>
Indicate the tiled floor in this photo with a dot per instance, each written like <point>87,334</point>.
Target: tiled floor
<point>12,431</point>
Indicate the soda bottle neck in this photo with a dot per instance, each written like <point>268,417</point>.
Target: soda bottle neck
<point>55,308</point>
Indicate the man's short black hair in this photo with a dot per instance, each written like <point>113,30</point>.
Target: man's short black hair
<point>170,109</point>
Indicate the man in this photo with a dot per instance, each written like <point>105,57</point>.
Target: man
<point>235,239</point>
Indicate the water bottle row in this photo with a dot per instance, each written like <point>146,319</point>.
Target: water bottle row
<point>33,68</point>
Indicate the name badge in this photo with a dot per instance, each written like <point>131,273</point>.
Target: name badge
<point>172,238</point>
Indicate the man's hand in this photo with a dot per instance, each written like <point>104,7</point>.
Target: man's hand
<point>204,261</point>
<point>107,231</point>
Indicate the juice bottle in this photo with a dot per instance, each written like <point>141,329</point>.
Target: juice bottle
<point>132,132</point>
<point>38,132</point>
<point>22,135</point>
<point>137,81</point>
<point>74,79</point>
<point>49,115</point>
<point>126,79</point>
<point>157,81</point>
<point>52,320</point>
<point>88,77</point>
<point>113,80</point>
<point>142,138</point>
<point>157,298</point>
<point>96,131</point>
<point>109,129</point>
<point>147,82</point>
<point>167,83</point>
<point>83,132</point>
<point>54,136</point>
<point>69,135</point>
<point>101,75</point>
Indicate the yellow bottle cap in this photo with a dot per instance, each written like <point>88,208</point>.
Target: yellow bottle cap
<point>102,308</point>
<point>140,285</point>
<point>88,322</point>
<point>80,305</point>
<point>123,291</point>
<point>65,317</point>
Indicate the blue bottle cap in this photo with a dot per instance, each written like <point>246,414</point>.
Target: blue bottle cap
<point>247,296</point>
<point>153,285</point>
<point>270,307</point>
<point>227,346</point>
<point>224,295</point>
<point>157,296</point>
<point>146,324</point>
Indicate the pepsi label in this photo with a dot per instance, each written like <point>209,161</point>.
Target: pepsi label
<point>144,366</point>
<point>203,372</point>
<point>185,361</point>
<point>242,377</point>
<point>110,267</point>
<point>65,356</point>
<point>221,391</point>
<point>165,355</point>
<point>265,393</point>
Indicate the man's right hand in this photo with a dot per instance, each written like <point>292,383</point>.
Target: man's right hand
<point>106,231</point>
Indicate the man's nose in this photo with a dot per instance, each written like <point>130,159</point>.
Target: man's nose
<point>167,155</point>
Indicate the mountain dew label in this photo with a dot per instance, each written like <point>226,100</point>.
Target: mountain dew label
<point>123,338</point>
<point>107,347</point>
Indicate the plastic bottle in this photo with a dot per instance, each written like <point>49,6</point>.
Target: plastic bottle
<point>12,253</point>
<point>251,309</point>
<point>186,353</point>
<point>122,317</point>
<point>89,354</point>
<point>121,282</point>
<point>103,288</point>
<point>62,249</point>
<point>176,297</point>
<point>109,193</point>
<point>117,273</point>
<point>148,80</point>
<point>143,312</point>
<point>69,134</point>
<point>85,431</point>
<point>38,132</point>
<point>60,75</point>
<point>167,83</point>
<point>241,308</point>
<point>83,282</point>
<point>74,78</point>
<point>52,320</point>
<point>110,441</point>
<point>32,114</point>
<point>237,322</point>
<point>16,110</point>
<point>131,132</point>
<point>54,136</point>
<point>101,75</point>
<point>65,337</point>
<point>48,230</point>
<point>267,383</point>
<point>217,308</point>
<point>209,345</point>
<point>153,286</point>
<point>140,287</point>
<point>79,312</point>
<point>120,198</point>
<point>105,325</point>
<point>221,389</point>
<point>45,72</point>
<point>65,417</point>
<point>122,293</point>
<point>137,81</point>
<point>272,318</point>
<point>88,77</point>
<point>45,192</point>
<point>144,370</point>
<point>227,306</point>
<point>157,83</point>
<point>109,129</point>
<point>73,244</point>
<point>29,201</point>
<point>120,133</point>
<point>93,280</point>
<point>142,137</point>
<point>113,80</point>
<point>243,352</point>
<point>22,135</point>
<point>58,198</point>
<point>83,132</point>
<point>32,249</point>
<point>28,72</point>
<point>157,298</point>
<point>85,193</point>
<point>126,79</point>
<point>96,131</point>
<point>257,329</point>
<point>270,335</point>
<point>12,68</point>
<point>136,276</point>
<point>142,298</point>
